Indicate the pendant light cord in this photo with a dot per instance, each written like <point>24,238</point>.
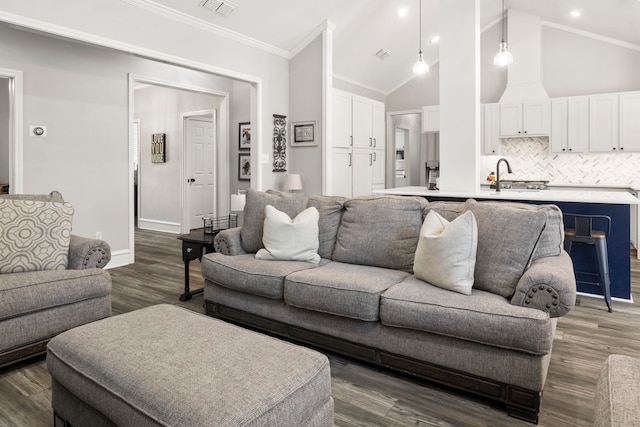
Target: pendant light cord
<point>420,27</point>
<point>504,20</point>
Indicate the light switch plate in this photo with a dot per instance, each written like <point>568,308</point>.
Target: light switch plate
<point>36,130</point>
<point>265,159</point>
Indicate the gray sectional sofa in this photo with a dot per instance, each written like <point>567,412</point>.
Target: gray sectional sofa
<point>37,305</point>
<point>363,300</point>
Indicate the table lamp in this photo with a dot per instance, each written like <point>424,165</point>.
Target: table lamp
<point>292,182</point>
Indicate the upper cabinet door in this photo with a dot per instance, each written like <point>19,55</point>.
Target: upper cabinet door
<point>511,119</point>
<point>362,110</point>
<point>630,121</point>
<point>604,126</point>
<point>491,142</point>
<point>578,124</point>
<point>559,123</point>
<point>378,125</point>
<point>431,118</point>
<point>535,117</point>
<point>341,119</point>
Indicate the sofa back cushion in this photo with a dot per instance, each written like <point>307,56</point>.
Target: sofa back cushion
<point>252,228</point>
<point>380,231</point>
<point>507,239</point>
<point>330,209</point>
<point>54,196</point>
<point>34,235</point>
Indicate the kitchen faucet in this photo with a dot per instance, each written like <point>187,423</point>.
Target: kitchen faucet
<point>498,172</point>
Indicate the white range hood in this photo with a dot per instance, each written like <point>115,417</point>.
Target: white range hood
<point>524,41</point>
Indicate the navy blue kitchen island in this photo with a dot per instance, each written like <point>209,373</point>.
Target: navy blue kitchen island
<point>616,205</point>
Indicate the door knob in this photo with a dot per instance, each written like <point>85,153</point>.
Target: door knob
<point>191,180</point>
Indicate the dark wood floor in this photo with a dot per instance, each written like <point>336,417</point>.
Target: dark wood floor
<point>365,396</point>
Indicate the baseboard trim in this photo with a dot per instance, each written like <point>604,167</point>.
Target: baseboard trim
<point>119,259</point>
<point>163,226</point>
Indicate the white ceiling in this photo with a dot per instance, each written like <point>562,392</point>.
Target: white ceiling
<point>362,27</point>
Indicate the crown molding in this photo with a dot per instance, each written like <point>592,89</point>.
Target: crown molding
<point>201,24</point>
<point>319,30</point>
<point>591,35</point>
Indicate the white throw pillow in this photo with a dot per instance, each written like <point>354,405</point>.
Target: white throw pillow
<point>287,239</point>
<point>446,252</point>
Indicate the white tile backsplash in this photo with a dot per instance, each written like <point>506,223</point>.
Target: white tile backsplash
<point>530,158</point>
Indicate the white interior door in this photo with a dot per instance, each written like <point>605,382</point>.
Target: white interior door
<point>200,136</point>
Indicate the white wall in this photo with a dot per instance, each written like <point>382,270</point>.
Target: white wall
<point>5,172</point>
<point>159,188</point>
<point>351,87</point>
<point>241,113</point>
<point>86,154</point>
<point>305,104</point>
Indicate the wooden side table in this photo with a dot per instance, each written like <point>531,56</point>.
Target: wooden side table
<point>194,246</point>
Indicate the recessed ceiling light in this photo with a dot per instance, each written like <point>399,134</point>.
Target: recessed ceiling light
<point>402,12</point>
<point>575,13</point>
<point>435,39</point>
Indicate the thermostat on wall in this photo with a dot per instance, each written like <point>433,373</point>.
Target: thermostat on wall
<point>38,130</point>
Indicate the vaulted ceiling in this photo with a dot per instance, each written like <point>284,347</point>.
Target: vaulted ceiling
<point>363,27</point>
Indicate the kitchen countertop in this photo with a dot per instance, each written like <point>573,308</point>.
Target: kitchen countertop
<point>578,196</point>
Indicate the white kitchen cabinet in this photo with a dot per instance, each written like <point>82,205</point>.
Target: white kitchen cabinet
<point>361,172</point>
<point>569,125</point>
<point>377,168</point>
<point>630,121</point>
<point>341,119</point>
<point>529,118</point>
<point>604,128</point>
<point>491,142</point>
<point>342,171</point>
<point>358,145</point>
<point>431,118</point>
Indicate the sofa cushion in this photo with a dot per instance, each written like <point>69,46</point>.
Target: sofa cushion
<point>446,253</point>
<point>342,289</point>
<point>330,209</point>
<point>54,196</point>
<point>34,235</point>
<point>252,228</point>
<point>507,238</point>
<point>247,274</point>
<point>448,210</point>
<point>483,317</point>
<point>290,239</point>
<point>24,293</point>
<point>380,231</point>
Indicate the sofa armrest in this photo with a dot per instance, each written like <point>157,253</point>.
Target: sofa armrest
<point>88,253</point>
<point>227,242</point>
<point>549,284</point>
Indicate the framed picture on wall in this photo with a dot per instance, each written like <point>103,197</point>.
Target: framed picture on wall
<point>304,134</point>
<point>244,167</point>
<point>244,136</point>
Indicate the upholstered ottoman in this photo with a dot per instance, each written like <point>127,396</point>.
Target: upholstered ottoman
<point>618,392</point>
<point>168,366</point>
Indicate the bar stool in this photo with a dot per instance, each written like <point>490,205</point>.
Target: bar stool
<point>585,234</point>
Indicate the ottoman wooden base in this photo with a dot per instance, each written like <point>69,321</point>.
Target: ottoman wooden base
<point>167,366</point>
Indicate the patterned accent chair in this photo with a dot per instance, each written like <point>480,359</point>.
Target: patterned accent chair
<point>50,280</point>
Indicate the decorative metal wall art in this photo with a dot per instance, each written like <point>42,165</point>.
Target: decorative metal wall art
<point>279,143</point>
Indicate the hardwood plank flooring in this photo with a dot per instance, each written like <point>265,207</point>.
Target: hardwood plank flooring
<point>366,396</point>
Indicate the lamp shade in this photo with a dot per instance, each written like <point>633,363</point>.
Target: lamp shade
<point>237,202</point>
<point>292,182</point>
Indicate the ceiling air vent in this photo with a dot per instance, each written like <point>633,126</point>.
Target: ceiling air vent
<point>383,54</point>
<point>223,8</point>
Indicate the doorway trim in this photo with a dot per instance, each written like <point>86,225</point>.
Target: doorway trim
<point>184,196</point>
<point>222,149</point>
<point>16,137</point>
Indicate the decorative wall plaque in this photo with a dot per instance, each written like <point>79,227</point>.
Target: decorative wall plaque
<point>158,147</point>
<point>279,143</point>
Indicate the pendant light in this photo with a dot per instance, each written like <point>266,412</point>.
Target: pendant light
<point>421,66</point>
<point>503,56</point>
